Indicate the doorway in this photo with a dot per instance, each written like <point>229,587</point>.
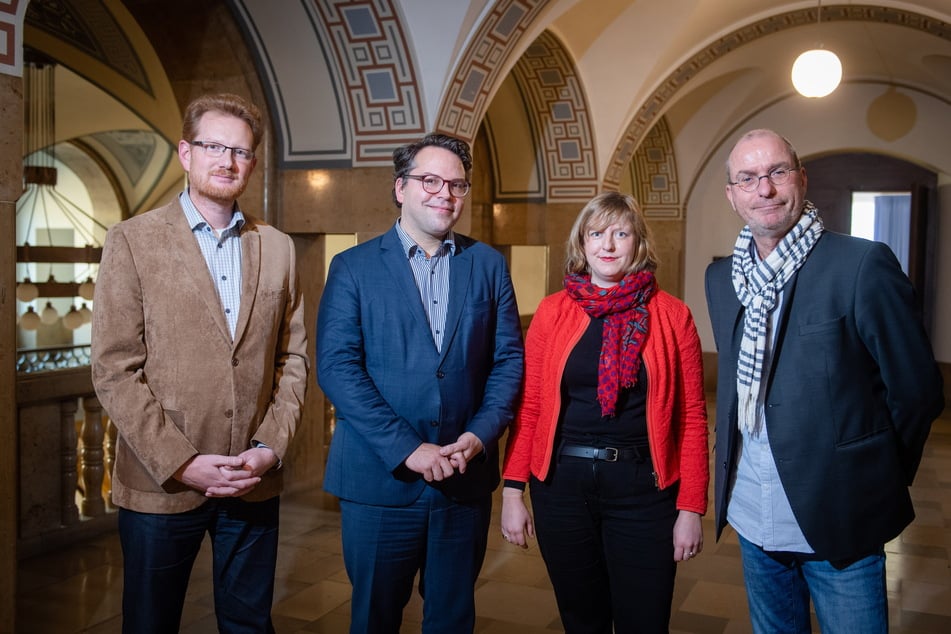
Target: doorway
<point>834,180</point>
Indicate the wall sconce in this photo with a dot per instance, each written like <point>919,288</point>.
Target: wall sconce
<point>817,72</point>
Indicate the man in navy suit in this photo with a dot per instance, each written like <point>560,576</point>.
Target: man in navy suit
<point>827,390</point>
<point>420,350</point>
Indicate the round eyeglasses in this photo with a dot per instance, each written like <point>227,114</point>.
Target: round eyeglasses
<point>432,184</point>
<point>217,150</point>
<point>778,176</point>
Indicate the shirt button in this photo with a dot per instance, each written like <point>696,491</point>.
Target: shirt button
<point>440,375</point>
<point>229,413</point>
<point>234,362</point>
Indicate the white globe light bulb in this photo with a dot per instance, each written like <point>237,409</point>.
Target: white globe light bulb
<point>49,314</point>
<point>816,73</point>
<point>30,320</point>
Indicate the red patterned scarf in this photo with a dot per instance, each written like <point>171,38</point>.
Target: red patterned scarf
<point>625,328</point>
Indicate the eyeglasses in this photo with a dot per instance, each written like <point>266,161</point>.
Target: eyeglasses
<point>778,176</point>
<point>432,184</point>
<point>216,150</point>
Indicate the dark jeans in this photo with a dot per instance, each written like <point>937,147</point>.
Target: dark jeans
<point>606,535</point>
<point>158,552</point>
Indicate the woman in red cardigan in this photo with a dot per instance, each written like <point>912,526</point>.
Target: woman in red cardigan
<point>611,431</point>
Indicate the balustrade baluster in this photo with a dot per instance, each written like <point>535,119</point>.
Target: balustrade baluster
<point>69,510</point>
<point>110,458</point>
<point>92,468</point>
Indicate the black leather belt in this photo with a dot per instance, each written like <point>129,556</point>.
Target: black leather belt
<point>607,454</point>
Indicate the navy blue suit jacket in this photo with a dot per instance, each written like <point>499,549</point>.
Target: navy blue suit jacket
<point>850,395</point>
<point>392,390</point>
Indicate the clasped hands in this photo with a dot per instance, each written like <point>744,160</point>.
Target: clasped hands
<point>226,476</point>
<point>438,463</point>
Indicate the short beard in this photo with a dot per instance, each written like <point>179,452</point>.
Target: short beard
<point>224,194</point>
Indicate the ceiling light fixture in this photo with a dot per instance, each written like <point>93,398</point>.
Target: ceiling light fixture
<point>817,72</point>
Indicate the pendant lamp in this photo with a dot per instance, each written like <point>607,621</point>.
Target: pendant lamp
<point>817,72</point>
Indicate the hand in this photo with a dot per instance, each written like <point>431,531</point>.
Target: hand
<point>517,524</point>
<point>259,460</point>
<point>467,447</point>
<point>218,476</point>
<point>429,461</point>
<point>688,536</point>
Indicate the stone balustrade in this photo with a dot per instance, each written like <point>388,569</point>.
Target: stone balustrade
<point>66,451</point>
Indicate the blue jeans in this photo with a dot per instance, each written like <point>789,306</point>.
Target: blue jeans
<point>850,598</point>
<point>158,552</point>
<point>385,546</point>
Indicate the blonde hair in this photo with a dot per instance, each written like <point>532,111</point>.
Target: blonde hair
<point>601,212</point>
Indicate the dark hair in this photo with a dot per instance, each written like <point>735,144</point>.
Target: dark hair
<point>404,157</point>
<point>225,103</point>
<point>601,212</point>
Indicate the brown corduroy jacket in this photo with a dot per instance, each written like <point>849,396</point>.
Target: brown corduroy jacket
<point>166,369</point>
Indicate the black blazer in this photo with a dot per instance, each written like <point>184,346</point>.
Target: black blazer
<point>851,394</point>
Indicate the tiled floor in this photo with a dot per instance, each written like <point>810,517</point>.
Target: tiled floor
<point>79,589</point>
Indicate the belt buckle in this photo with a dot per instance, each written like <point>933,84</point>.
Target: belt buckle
<point>610,454</point>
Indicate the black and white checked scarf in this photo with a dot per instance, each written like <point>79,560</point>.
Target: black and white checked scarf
<point>757,287</point>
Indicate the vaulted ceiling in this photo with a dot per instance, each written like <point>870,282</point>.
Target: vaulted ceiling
<point>567,91</point>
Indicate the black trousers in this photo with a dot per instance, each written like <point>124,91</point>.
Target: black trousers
<point>606,535</point>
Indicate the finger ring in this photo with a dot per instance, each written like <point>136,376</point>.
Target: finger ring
<point>505,537</point>
<point>691,553</point>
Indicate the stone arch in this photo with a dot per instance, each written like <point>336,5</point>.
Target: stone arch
<point>653,173</point>
<point>479,71</point>
<point>559,112</point>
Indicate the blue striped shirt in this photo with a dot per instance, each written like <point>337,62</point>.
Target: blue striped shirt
<point>222,255</point>
<point>759,509</point>
<point>432,279</point>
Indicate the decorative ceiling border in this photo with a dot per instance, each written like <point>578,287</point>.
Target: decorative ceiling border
<point>556,104</point>
<point>12,13</point>
<point>478,72</point>
<point>654,105</point>
<point>654,174</point>
<point>376,66</point>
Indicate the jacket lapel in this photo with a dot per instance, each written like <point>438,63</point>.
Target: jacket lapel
<point>183,247</point>
<point>250,274</point>
<point>398,268</point>
<point>460,279</point>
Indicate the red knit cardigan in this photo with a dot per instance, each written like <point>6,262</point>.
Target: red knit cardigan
<point>676,405</point>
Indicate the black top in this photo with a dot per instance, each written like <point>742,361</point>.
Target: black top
<point>581,421</point>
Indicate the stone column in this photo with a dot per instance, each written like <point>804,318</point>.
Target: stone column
<point>11,184</point>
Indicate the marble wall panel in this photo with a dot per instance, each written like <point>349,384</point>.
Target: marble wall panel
<point>354,200</point>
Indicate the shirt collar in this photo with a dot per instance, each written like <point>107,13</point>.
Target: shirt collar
<point>196,221</point>
<point>410,246</point>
